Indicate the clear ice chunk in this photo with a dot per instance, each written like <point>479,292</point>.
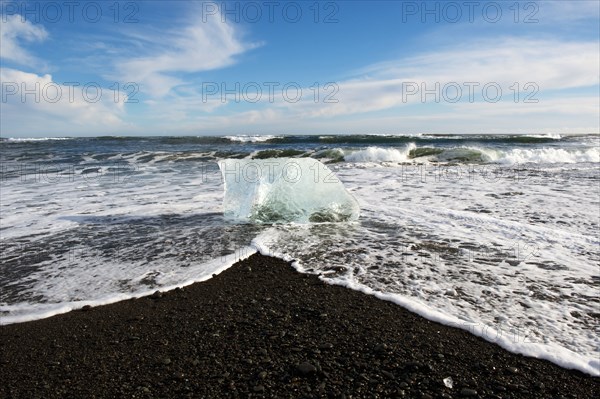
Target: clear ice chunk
<point>279,190</point>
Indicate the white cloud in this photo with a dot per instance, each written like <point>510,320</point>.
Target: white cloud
<point>13,31</point>
<point>198,46</point>
<point>549,65</point>
<point>52,108</point>
<point>553,64</point>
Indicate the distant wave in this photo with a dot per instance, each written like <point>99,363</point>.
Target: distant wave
<point>548,155</point>
<point>26,139</point>
<point>378,154</point>
<point>252,139</point>
<point>420,139</point>
<point>412,153</point>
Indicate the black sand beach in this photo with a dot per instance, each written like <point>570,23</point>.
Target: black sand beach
<point>260,329</point>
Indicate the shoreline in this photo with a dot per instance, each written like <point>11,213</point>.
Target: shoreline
<point>261,329</point>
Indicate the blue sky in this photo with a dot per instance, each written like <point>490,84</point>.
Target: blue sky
<point>213,68</point>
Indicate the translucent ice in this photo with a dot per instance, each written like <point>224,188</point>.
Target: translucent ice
<point>275,190</point>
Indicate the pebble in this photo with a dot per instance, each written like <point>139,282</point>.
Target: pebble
<point>178,375</point>
<point>259,388</point>
<point>468,392</point>
<point>262,375</point>
<point>513,370</point>
<point>305,368</point>
<point>156,295</point>
<point>414,365</point>
<point>166,361</point>
<point>513,387</point>
<point>380,348</point>
<point>388,374</point>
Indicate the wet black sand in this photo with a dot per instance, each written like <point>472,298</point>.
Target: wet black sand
<point>260,329</point>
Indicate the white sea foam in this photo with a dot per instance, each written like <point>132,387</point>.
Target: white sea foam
<point>105,287</point>
<point>546,155</point>
<point>553,136</point>
<point>251,139</point>
<point>26,139</point>
<point>378,154</point>
<point>470,154</point>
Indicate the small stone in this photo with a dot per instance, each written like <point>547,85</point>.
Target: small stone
<point>513,387</point>
<point>166,361</point>
<point>259,388</point>
<point>381,348</point>
<point>145,389</point>
<point>403,384</point>
<point>448,382</point>
<point>513,370</point>
<point>415,365</point>
<point>178,375</point>
<point>262,375</point>
<point>388,374</point>
<point>478,366</point>
<point>86,308</point>
<point>195,362</point>
<point>156,295</point>
<point>468,392</point>
<point>305,368</point>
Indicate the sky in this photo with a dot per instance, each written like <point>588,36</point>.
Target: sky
<point>93,68</point>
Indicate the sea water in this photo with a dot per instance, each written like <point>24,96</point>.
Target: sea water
<point>498,235</point>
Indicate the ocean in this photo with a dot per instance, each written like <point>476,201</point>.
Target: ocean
<point>495,234</point>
